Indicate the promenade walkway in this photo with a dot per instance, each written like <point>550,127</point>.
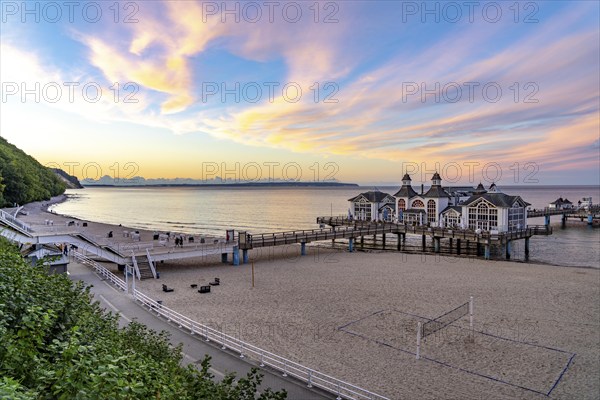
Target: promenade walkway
<point>194,349</point>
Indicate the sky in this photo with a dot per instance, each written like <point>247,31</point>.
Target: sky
<point>358,91</point>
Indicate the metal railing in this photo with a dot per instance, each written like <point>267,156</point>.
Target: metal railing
<point>311,377</point>
<point>287,367</point>
<point>135,266</point>
<point>15,223</point>
<point>151,263</point>
<point>101,270</point>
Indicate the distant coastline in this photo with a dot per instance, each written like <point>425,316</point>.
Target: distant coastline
<point>247,184</point>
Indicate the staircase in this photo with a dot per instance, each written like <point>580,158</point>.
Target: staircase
<point>144,267</point>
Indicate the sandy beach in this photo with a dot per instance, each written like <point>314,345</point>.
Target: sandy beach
<point>354,316</point>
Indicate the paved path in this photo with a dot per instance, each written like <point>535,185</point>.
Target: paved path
<point>194,349</point>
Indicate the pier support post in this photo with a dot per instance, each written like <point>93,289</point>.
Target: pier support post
<point>508,249</point>
<point>436,244</point>
<point>403,238</point>
<point>527,249</point>
<point>224,258</point>
<point>302,248</point>
<point>487,251</point>
<point>451,240</point>
<point>383,238</point>
<point>467,247</point>
<point>245,256</point>
<point>351,245</point>
<point>362,241</point>
<point>236,255</point>
<point>546,220</point>
<point>564,220</point>
<point>423,242</point>
<point>399,245</point>
<point>478,249</point>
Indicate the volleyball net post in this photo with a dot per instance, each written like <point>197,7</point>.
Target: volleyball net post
<point>419,329</point>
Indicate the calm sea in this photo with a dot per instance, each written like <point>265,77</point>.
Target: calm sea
<point>259,210</point>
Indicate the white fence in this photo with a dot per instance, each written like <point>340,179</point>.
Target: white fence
<point>15,222</point>
<point>343,390</point>
<point>120,283</point>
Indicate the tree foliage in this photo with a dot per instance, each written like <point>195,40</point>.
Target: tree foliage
<point>23,179</point>
<point>55,343</point>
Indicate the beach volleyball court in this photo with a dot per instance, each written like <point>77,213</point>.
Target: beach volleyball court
<point>452,344</point>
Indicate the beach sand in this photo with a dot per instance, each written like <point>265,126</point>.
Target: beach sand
<point>353,316</point>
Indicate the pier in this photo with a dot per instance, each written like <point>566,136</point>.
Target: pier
<point>590,215</point>
<point>344,228</point>
<point>144,256</point>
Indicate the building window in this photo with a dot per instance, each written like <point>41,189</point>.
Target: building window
<point>431,214</point>
<point>516,217</point>
<point>362,211</point>
<point>418,204</point>
<point>401,204</point>
<point>483,217</point>
<point>387,214</point>
<point>451,219</point>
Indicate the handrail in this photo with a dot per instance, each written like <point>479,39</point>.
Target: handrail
<point>101,270</point>
<point>151,263</point>
<point>135,266</point>
<point>15,222</point>
<point>287,367</point>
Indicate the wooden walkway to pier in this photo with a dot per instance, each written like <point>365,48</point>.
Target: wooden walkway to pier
<point>343,228</point>
<point>591,215</point>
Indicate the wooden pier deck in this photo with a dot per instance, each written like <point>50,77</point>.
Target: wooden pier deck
<point>343,228</point>
<point>570,213</point>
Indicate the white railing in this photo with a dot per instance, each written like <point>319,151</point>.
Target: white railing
<point>343,390</point>
<point>101,270</point>
<point>15,222</point>
<point>135,267</point>
<point>245,350</point>
<point>151,263</point>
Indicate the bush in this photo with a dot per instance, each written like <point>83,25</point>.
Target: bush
<point>55,343</point>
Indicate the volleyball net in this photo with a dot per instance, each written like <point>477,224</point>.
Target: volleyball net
<point>434,325</point>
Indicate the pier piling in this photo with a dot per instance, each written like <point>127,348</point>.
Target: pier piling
<point>303,248</point>
<point>236,255</point>
<point>436,244</point>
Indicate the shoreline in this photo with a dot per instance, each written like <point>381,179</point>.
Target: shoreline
<point>44,206</point>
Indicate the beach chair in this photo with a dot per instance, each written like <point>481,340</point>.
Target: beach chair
<point>216,282</point>
<point>167,289</point>
<point>204,289</point>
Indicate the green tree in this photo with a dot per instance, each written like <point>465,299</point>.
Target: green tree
<point>23,178</point>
